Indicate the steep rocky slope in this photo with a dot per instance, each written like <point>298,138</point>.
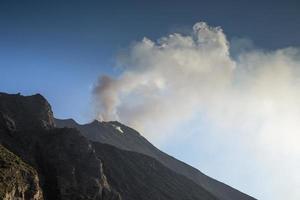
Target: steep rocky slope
<point>67,165</point>
<point>17,179</point>
<point>123,137</point>
<point>140,177</point>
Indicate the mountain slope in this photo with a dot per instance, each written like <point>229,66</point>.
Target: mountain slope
<point>140,177</point>
<point>123,137</point>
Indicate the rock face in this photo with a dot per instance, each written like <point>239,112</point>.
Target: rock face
<point>17,179</point>
<point>140,177</point>
<point>67,165</point>
<point>70,168</point>
<point>27,113</point>
<point>131,140</point>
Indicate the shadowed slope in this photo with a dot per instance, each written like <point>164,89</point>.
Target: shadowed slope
<point>131,140</point>
<point>137,176</point>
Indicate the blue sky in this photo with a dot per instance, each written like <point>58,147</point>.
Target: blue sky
<point>60,48</point>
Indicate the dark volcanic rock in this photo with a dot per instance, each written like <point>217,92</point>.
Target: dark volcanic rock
<point>17,179</point>
<point>70,168</point>
<point>131,140</point>
<point>140,177</point>
<point>30,112</point>
<point>65,160</point>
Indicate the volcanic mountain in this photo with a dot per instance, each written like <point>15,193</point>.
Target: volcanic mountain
<point>46,158</point>
<point>123,137</point>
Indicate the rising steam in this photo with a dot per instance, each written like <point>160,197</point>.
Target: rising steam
<point>173,80</point>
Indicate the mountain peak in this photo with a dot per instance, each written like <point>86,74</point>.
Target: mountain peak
<point>27,112</point>
<point>96,122</point>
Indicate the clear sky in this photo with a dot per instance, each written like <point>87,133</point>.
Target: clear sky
<point>60,48</point>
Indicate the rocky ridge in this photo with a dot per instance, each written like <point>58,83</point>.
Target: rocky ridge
<point>64,159</point>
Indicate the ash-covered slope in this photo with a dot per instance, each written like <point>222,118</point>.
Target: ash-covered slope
<point>66,163</point>
<point>123,137</point>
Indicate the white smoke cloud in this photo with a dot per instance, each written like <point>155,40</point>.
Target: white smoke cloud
<point>179,77</point>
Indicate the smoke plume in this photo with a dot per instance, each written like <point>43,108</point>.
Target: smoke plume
<point>178,78</point>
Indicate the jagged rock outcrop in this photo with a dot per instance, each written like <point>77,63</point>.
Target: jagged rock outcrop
<point>28,113</point>
<point>18,180</point>
<point>67,165</point>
